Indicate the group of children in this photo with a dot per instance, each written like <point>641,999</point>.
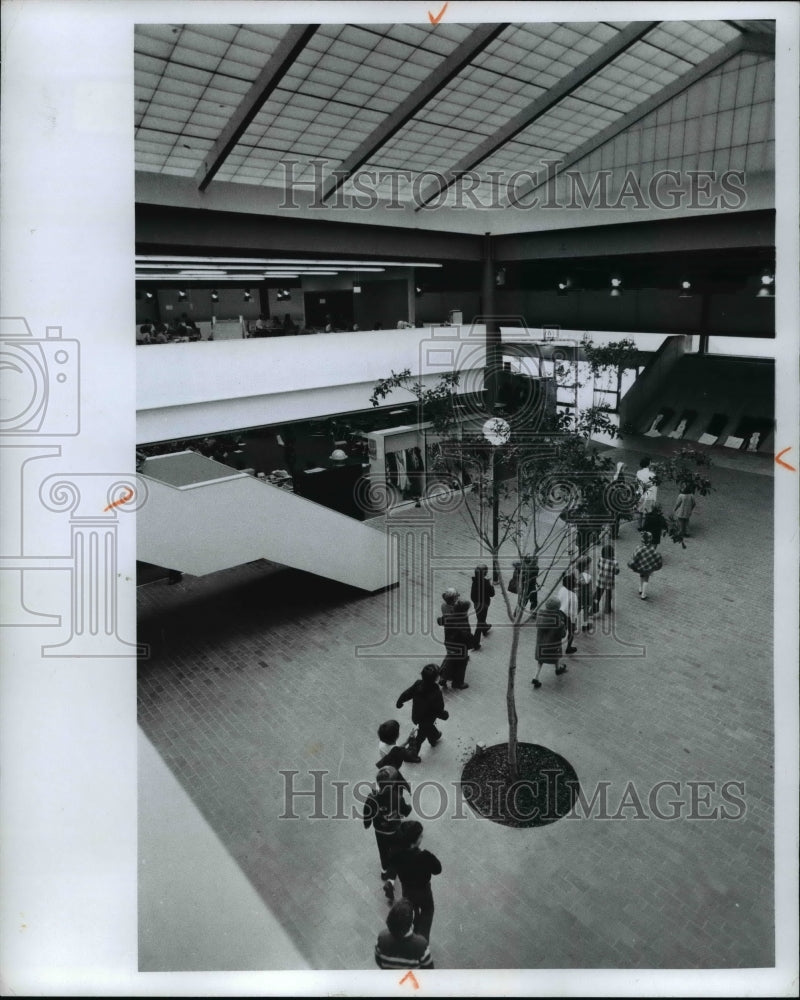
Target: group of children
<point>459,638</point>
<point>404,942</point>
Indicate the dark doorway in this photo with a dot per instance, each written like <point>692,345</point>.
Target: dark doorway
<point>335,308</point>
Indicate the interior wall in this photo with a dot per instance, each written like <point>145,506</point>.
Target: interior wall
<point>380,304</point>
<point>198,305</point>
<point>435,307</point>
<point>652,309</point>
<point>292,306</point>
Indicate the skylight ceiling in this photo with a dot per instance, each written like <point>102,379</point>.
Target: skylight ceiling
<point>403,101</point>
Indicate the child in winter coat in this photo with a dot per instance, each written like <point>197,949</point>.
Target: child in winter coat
<point>458,640</point>
<point>684,506</point>
<point>384,809</point>
<point>427,705</point>
<point>655,523</point>
<point>415,868</point>
<point>389,753</point>
<point>645,560</point>
<point>607,569</point>
<point>481,594</point>
<point>551,627</point>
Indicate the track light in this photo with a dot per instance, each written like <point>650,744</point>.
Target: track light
<point>148,295</point>
<point>767,290</point>
<point>615,288</point>
<point>181,295</point>
<point>686,289</point>
<point>247,295</point>
<point>214,296</point>
<point>564,286</point>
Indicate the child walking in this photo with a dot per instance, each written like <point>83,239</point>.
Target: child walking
<point>646,560</point>
<point>607,569</point>
<point>481,594</point>
<point>551,627</point>
<point>684,506</point>
<point>389,753</point>
<point>585,597</point>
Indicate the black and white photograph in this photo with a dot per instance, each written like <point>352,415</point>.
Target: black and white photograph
<point>400,456</point>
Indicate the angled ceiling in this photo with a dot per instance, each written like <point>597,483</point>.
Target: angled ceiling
<point>415,110</point>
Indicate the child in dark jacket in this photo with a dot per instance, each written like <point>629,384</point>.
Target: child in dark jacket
<point>551,627</point>
<point>415,868</point>
<point>389,753</point>
<point>458,640</point>
<point>481,594</point>
<point>384,810</point>
<point>427,705</point>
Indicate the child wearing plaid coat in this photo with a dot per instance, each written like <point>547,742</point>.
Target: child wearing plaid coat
<point>646,560</point>
<point>607,569</point>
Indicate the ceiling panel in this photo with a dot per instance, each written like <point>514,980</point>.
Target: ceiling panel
<point>190,79</point>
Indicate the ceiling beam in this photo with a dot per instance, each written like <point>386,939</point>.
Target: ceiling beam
<point>701,70</point>
<point>563,88</point>
<point>753,41</point>
<point>289,47</point>
<point>404,112</point>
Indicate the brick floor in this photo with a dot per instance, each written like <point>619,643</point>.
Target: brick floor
<point>252,671</point>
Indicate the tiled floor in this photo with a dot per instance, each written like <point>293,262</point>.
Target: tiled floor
<point>253,671</point>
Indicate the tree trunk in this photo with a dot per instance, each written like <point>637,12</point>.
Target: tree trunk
<point>510,701</point>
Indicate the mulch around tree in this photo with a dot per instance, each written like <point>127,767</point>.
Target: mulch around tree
<point>544,792</point>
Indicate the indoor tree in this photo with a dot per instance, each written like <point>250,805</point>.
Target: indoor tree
<point>556,482</point>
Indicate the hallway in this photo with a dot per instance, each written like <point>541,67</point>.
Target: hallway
<point>252,671</point>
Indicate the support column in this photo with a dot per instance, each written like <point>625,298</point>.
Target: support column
<point>494,353</point>
<point>411,290</point>
<point>705,309</point>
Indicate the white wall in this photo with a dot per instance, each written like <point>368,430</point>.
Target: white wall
<point>188,389</point>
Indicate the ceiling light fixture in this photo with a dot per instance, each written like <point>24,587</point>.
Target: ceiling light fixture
<point>161,259</point>
<point>216,278</point>
<point>247,295</point>
<point>767,290</point>
<point>563,286</point>
<point>181,294</point>
<point>214,296</point>
<point>686,289</point>
<point>615,288</point>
